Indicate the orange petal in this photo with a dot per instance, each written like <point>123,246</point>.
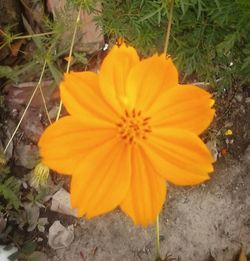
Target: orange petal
<point>102,179</point>
<point>66,142</point>
<point>113,74</point>
<point>185,106</point>
<point>147,191</point>
<point>149,79</point>
<point>81,95</point>
<point>179,156</point>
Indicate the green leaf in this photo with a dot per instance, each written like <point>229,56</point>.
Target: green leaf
<point>228,43</point>
<point>5,71</point>
<point>28,248</point>
<point>151,14</point>
<point>9,196</point>
<point>57,75</point>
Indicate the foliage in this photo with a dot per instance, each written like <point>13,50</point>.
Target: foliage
<point>209,39</point>
<point>142,23</point>
<point>9,190</point>
<point>20,204</point>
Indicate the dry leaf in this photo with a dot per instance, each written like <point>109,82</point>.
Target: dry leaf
<point>15,47</point>
<point>242,256</point>
<point>224,152</point>
<point>69,58</point>
<point>61,203</point>
<point>60,236</point>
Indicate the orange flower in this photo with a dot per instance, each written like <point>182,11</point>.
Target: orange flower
<point>131,128</point>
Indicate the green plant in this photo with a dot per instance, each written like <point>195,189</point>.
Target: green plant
<point>9,191</point>
<point>209,39</point>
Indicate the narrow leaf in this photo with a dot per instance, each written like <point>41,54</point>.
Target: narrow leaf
<point>242,256</point>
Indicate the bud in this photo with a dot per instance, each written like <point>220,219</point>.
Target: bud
<point>40,175</point>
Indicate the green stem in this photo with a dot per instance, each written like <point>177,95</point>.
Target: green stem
<point>31,35</point>
<point>70,56</point>
<point>44,104</point>
<point>169,27</point>
<point>30,100</point>
<point>157,228</point>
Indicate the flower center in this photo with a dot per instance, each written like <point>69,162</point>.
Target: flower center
<point>133,126</point>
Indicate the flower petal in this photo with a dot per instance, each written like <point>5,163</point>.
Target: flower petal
<point>179,156</point>
<point>102,179</point>
<point>185,106</point>
<point>81,95</point>
<point>147,191</point>
<point>65,143</point>
<point>149,79</point>
<point>113,74</point>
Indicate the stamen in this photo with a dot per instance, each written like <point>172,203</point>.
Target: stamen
<point>147,118</point>
<point>126,113</point>
<point>133,113</point>
<point>133,127</point>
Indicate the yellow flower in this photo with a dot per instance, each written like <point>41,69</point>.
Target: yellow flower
<point>131,128</point>
<point>228,132</point>
<point>40,175</point>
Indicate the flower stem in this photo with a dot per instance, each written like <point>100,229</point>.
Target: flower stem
<point>70,56</point>
<point>157,228</point>
<point>44,103</point>
<point>31,35</point>
<point>169,26</point>
<point>30,100</point>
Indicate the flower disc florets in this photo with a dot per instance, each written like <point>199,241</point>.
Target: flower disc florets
<point>133,126</point>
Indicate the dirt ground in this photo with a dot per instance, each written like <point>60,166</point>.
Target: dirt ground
<point>202,223</point>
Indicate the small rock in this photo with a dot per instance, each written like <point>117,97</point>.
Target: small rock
<point>228,124</point>
<point>19,95</point>
<point>247,100</point>
<point>90,35</point>
<point>26,155</point>
<point>32,126</point>
<point>239,97</point>
<point>53,112</point>
<point>242,108</point>
<point>39,239</point>
<point>60,236</point>
<point>61,203</point>
<point>38,256</point>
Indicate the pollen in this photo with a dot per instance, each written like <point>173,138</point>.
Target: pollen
<point>133,126</point>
